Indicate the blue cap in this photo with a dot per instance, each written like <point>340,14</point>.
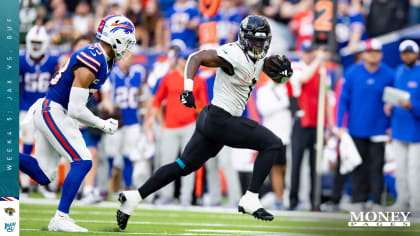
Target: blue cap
<point>306,46</point>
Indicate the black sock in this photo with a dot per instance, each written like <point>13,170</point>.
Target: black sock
<point>163,176</point>
<point>262,167</point>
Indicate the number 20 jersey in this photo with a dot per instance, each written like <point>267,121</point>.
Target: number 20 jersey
<point>35,78</point>
<point>125,91</point>
<point>91,57</point>
<point>232,92</point>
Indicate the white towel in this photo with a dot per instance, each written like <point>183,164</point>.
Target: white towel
<point>349,156</point>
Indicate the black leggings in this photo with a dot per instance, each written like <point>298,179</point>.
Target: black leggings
<point>215,128</point>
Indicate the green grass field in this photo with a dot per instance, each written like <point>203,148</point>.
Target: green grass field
<point>34,219</point>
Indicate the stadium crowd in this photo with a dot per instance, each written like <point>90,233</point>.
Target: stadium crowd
<point>143,92</point>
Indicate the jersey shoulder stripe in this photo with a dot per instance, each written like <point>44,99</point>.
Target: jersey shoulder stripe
<point>91,59</point>
<point>87,63</point>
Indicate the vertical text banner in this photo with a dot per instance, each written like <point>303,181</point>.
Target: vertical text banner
<point>9,99</point>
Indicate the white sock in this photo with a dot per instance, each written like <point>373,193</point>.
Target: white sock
<point>136,195</point>
<point>251,194</point>
<point>60,213</point>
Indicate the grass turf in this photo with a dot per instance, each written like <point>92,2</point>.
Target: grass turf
<point>34,220</point>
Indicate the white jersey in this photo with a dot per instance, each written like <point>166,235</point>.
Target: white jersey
<point>231,92</point>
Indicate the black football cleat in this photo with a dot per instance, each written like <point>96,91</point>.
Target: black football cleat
<point>260,214</point>
<point>250,204</point>
<point>129,201</point>
<point>122,219</point>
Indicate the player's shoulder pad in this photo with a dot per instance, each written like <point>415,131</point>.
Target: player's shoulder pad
<point>92,57</point>
<point>231,52</point>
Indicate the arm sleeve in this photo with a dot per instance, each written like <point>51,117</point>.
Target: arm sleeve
<point>343,104</point>
<point>161,93</point>
<point>77,108</point>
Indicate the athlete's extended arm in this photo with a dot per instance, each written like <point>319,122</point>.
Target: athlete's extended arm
<point>208,58</point>
<point>79,95</point>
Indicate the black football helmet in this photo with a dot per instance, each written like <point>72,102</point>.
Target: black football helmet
<point>255,36</point>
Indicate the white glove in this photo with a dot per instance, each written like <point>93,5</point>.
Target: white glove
<point>110,126</point>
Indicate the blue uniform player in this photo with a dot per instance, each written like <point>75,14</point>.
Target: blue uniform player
<point>125,81</point>
<point>183,21</point>
<point>55,117</point>
<point>36,66</point>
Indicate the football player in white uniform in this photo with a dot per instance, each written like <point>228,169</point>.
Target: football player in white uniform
<point>220,123</point>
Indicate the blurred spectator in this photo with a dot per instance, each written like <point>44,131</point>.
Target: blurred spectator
<point>83,20</point>
<point>73,4</point>
<point>273,104</point>
<point>179,123</point>
<point>361,98</point>
<point>283,37</point>
<point>229,19</point>
<point>153,32</point>
<point>134,13</point>
<point>301,23</point>
<point>405,126</point>
<point>60,25</point>
<point>27,13</point>
<point>166,6</point>
<point>414,12</point>
<point>183,20</point>
<point>289,8</point>
<point>306,73</point>
<point>386,16</point>
<point>350,28</point>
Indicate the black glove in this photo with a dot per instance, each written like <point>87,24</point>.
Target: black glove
<point>282,69</point>
<point>187,98</point>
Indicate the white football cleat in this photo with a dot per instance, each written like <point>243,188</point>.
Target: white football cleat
<point>64,223</point>
<point>250,204</point>
<point>129,201</point>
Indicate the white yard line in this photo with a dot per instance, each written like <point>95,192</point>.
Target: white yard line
<point>146,206</point>
<point>133,233</point>
<point>196,232</point>
<point>172,215</point>
<point>344,228</point>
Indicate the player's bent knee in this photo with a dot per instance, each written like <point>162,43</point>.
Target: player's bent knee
<point>84,166</point>
<point>275,143</point>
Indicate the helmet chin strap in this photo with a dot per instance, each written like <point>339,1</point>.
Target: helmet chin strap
<point>255,56</point>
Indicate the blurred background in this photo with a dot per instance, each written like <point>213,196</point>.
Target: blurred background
<point>367,32</point>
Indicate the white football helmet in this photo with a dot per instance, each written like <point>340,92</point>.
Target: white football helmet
<point>117,31</point>
<point>37,41</point>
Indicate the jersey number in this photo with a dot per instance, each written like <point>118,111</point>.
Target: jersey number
<point>126,97</point>
<point>59,73</point>
<point>254,81</point>
<point>37,82</point>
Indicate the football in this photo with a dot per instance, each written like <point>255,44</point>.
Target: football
<point>278,68</point>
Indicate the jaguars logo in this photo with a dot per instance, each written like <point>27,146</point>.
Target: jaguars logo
<point>10,211</point>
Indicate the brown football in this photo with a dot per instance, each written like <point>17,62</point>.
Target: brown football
<point>271,69</point>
